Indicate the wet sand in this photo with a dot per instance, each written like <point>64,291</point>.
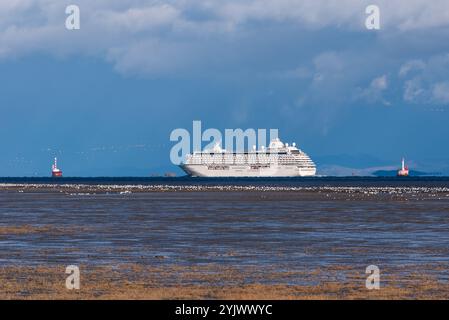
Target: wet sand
<point>223,242</point>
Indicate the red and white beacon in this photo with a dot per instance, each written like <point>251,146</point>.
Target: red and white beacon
<point>55,171</point>
<point>403,172</point>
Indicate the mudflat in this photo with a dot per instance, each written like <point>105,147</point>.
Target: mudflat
<point>224,242</point>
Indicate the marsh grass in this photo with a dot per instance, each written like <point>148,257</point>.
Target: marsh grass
<point>212,282</point>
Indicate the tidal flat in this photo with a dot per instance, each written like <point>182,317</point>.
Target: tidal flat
<point>171,241</point>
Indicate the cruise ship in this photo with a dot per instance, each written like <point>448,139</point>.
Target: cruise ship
<point>278,160</point>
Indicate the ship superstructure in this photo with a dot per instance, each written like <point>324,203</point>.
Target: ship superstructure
<point>278,160</point>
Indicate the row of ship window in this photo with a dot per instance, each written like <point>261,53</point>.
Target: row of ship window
<point>248,160</point>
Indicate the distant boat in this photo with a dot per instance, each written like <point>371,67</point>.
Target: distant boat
<point>55,171</point>
<point>403,172</point>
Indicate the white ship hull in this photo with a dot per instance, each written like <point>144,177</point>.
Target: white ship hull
<point>278,160</point>
<point>199,170</point>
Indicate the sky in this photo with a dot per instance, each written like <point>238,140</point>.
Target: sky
<point>105,98</point>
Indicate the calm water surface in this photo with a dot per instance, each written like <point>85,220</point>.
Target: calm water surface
<point>289,229</point>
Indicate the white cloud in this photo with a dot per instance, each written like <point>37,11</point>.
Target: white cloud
<point>379,83</point>
<point>412,65</point>
<point>328,64</point>
<point>140,19</point>
<point>440,92</point>
<point>374,92</point>
<point>123,30</point>
<point>395,14</point>
<point>429,82</point>
<point>414,91</point>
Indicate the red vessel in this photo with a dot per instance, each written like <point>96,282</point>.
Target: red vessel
<point>55,172</point>
<point>403,172</point>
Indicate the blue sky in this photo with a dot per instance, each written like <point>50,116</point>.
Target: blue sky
<point>105,98</point>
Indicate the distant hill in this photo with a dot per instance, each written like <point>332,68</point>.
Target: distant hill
<point>357,161</point>
<point>393,173</point>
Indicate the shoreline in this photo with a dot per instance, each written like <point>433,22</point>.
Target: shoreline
<point>104,188</point>
<point>215,282</point>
